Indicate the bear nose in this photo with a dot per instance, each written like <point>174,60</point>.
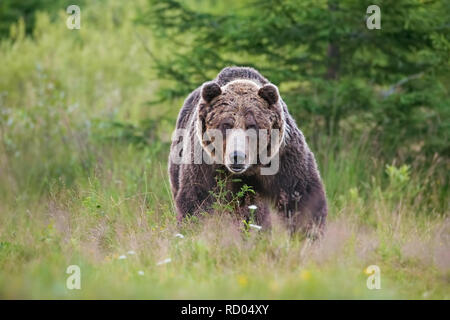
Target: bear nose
<point>237,158</point>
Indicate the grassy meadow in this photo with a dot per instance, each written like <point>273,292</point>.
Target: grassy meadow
<point>83,181</point>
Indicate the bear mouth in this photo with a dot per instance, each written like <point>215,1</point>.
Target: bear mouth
<point>237,168</point>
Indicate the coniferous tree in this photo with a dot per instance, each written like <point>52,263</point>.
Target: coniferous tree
<point>332,70</point>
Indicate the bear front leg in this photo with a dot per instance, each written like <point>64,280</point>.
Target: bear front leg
<point>256,210</point>
<point>193,196</point>
<point>305,212</point>
<point>191,201</point>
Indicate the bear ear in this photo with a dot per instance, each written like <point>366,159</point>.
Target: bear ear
<point>269,93</point>
<point>210,90</point>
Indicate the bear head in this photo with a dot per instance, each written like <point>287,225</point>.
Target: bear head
<point>241,124</point>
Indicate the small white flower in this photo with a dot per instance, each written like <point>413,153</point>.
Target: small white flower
<point>140,272</point>
<point>252,207</point>
<point>131,252</point>
<point>254,226</point>
<point>168,260</point>
<point>179,235</point>
<point>122,257</point>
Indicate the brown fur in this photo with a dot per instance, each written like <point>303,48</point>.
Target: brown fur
<point>296,190</point>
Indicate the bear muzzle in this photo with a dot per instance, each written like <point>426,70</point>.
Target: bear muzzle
<point>236,157</point>
<point>237,162</point>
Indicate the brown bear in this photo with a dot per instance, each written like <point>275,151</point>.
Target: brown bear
<point>239,100</point>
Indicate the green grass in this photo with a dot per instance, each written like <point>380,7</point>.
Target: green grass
<point>77,187</point>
